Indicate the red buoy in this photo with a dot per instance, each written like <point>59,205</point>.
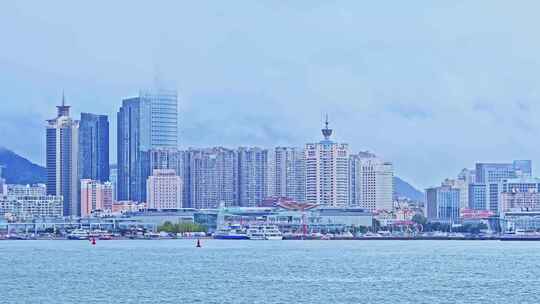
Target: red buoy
<point>93,241</point>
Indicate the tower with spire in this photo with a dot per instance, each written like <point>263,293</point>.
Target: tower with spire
<point>62,138</point>
<point>327,169</point>
<point>62,109</point>
<point>326,131</point>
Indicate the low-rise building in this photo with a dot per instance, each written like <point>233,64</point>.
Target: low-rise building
<point>95,196</point>
<point>23,208</point>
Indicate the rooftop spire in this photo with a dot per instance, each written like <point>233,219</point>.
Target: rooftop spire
<point>63,110</point>
<point>326,131</point>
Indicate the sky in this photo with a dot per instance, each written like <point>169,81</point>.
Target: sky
<point>433,86</point>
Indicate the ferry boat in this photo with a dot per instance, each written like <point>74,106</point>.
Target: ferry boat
<point>233,232</point>
<point>78,234</point>
<point>264,232</point>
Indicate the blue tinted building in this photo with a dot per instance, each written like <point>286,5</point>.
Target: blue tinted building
<point>94,147</point>
<point>442,204</point>
<point>149,121</point>
<point>492,174</point>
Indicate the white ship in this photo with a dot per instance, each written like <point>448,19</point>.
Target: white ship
<point>78,234</point>
<point>264,232</point>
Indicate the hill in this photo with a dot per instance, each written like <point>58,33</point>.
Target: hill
<point>19,170</point>
<point>404,189</point>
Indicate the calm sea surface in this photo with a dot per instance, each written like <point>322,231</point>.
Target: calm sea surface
<point>174,271</point>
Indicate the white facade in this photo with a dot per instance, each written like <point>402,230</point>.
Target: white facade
<point>327,169</point>
<point>371,182</point>
<point>27,190</point>
<point>62,159</point>
<point>164,190</point>
<point>30,207</point>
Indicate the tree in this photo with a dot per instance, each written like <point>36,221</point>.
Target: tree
<point>419,219</point>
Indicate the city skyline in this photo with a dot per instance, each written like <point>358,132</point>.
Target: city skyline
<point>257,83</point>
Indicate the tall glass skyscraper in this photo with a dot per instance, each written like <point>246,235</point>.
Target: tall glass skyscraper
<point>94,147</point>
<point>149,121</point>
<point>62,139</point>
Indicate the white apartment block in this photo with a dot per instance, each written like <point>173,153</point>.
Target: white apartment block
<point>327,170</point>
<point>164,190</point>
<point>371,183</point>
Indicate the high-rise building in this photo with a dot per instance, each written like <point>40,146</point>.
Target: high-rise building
<point>213,177</point>
<point>463,187</point>
<point>253,168</point>
<point>95,196</point>
<point>371,182</point>
<point>94,147</point>
<point>442,204</point>
<point>477,196</point>
<point>327,170</point>
<point>492,174</point>
<point>62,139</point>
<point>113,177</point>
<point>166,159</point>
<point>289,174</point>
<point>149,121</point>
<point>164,190</point>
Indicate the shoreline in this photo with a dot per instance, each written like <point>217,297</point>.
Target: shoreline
<point>495,238</point>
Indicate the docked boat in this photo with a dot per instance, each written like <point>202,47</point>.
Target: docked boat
<point>78,234</point>
<point>233,232</point>
<point>264,232</point>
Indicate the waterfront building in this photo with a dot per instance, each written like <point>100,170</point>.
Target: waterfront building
<point>95,196</point>
<point>119,207</point>
<point>520,210</point>
<point>94,147</point>
<point>253,175</point>
<point>212,175</point>
<point>371,182</point>
<point>442,204</point>
<point>517,200</point>
<point>149,121</point>
<point>295,219</point>
<point>289,174</point>
<point>164,190</point>
<point>62,159</point>
<point>27,208</point>
<point>327,170</point>
<point>27,190</point>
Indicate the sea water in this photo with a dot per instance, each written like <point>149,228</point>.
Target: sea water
<point>175,271</point>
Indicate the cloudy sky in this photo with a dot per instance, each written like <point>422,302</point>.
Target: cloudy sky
<point>433,86</point>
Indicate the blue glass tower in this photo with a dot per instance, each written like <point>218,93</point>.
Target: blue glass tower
<point>149,121</point>
<point>94,147</point>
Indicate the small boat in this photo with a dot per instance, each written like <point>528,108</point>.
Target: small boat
<point>78,234</point>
